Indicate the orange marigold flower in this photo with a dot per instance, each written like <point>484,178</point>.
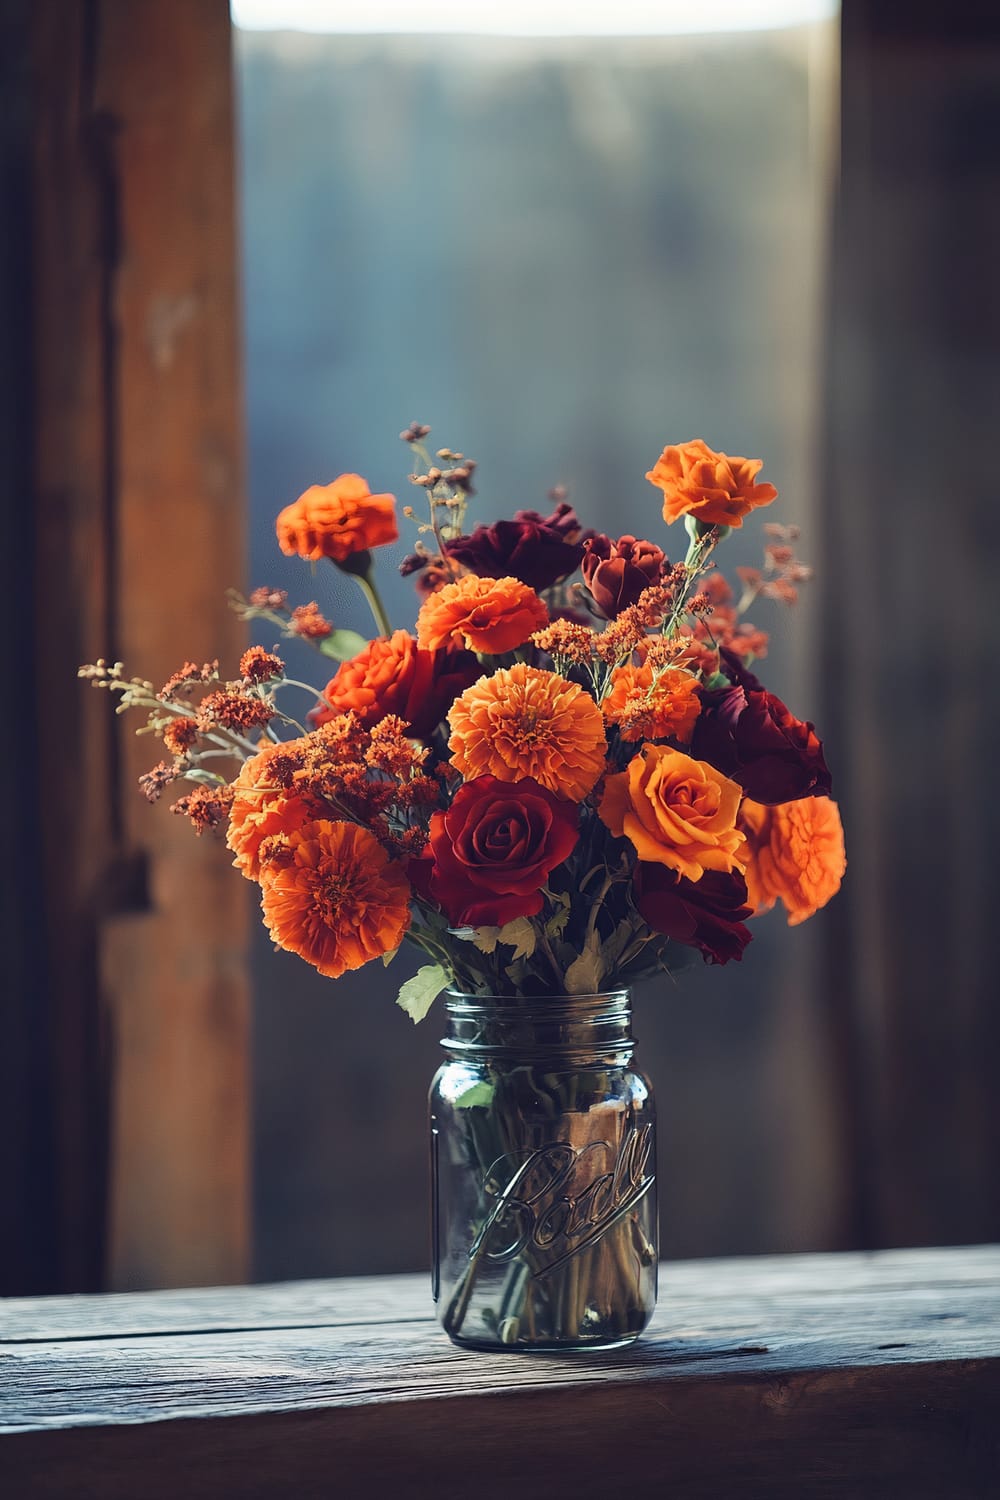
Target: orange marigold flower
<point>526,723</point>
<point>336,520</point>
<point>712,487</point>
<point>649,706</point>
<point>334,897</point>
<point>492,615</point>
<point>676,811</point>
<point>258,665</point>
<point>796,855</point>
<point>308,622</point>
<point>262,808</point>
<point>179,735</point>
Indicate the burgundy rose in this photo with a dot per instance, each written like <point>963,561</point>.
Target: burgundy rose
<point>617,572</point>
<point>492,851</point>
<point>539,550</point>
<point>707,914</point>
<point>734,667</point>
<point>750,736</point>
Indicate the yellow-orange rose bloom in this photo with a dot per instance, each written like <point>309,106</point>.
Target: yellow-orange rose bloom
<point>332,895</point>
<point>796,855</point>
<point>712,487</point>
<point>336,520</point>
<point>524,722</point>
<point>676,811</point>
<point>491,615</point>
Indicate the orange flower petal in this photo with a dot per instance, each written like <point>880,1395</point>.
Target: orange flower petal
<point>490,615</point>
<point>336,520</point>
<point>527,723</point>
<point>712,487</point>
<point>676,811</point>
<point>796,855</point>
<point>332,895</point>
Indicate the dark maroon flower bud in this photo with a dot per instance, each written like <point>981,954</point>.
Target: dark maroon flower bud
<point>539,550</point>
<point>707,914</point>
<point>617,572</point>
<point>414,563</point>
<point>750,736</point>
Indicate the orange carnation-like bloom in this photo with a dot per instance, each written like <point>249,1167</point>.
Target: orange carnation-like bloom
<point>525,723</point>
<point>492,615</point>
<point>335,520</point>
<point>652,707</point>
<point>331,894</point>
<point>260,810</point>
<point>676,811</point>
<point>712,487</point>
<point>796,855</point>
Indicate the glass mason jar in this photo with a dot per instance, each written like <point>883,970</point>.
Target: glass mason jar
<point>543,1160</point>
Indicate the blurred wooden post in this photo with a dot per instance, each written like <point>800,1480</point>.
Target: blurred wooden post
<point>139,507</point>
<point>910,565</point>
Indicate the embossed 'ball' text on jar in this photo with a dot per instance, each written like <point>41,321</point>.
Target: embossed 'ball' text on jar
<point>543,1158</point>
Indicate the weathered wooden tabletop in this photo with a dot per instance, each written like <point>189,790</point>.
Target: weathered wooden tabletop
<point>823,1375</point>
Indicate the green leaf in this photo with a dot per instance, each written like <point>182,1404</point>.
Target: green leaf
<point>479,1096</point>
<point>519,935</point>
<point>584,975</point>
<point>718,680</point>
<point>556,925</point>
<point>343,644</point>
<point>613,948</point>
<point>486,938</point>
<point>418,994</point>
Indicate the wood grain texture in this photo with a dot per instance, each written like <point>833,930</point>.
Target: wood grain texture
<point>174,969</point>
<point>817,1375</point>
<point>913,378</point>
<point>138,507</point>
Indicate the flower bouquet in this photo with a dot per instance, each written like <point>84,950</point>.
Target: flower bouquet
<point>567,777</point>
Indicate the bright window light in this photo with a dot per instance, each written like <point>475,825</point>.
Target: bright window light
<point>529,17</point>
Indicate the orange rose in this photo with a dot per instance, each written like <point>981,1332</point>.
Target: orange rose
<point>336,520</point>
<point>491,615</point>
<point>648,708</point>
<point>676,811</point>
<point>260,810</point>
<point>796,855</point>
<point>527,724</point>
<point>709,486</point>
<point>392,675</point>
<point>330,893</point>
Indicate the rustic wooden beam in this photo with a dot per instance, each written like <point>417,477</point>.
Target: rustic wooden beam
<point>139,526</point>
<point>797,1376</point>
<point>910,558</point>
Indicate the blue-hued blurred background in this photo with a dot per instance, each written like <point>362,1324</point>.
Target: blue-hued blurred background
<point>562,253</point>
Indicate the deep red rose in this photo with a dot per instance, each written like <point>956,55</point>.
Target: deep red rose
<point>537,549</point>
<point>750,736</point>
<point>395,676</point>
<point>708,914</point>
<point>617,572</point>
<point>492,851</point>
